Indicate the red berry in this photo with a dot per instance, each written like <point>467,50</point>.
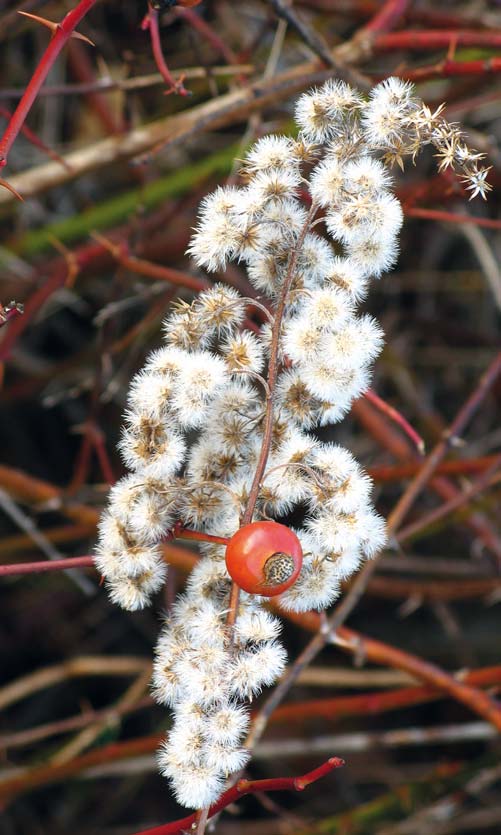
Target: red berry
<point>264,558</point>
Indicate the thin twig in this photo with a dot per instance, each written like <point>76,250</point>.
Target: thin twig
<point>250,787</point>
<point>450,437</point>
<point>139,82</point>
<point>26,524</point>
<point>86,737</point>
<point>452,217</point>
<point>85,665</point>
<point>484,482</point>
<point>174,85</point>
<point>397,418</point>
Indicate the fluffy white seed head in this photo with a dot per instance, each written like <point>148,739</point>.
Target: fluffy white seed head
<point>357,343</point>
<point>135,592</point>
<point>285,220</point>
<point>288,473</point>
<point>295,401</point>
<point>365,217</point>
<point>275,185</point>
<point>253,670</point>
<point>243,352</point>
<point>328,308</point>
<point>340,384</point>
<point>314,262</point>
<point>256,626</point>
<point>339,532</point>
<point>269,153</point>
<point>165,361</point>
<point>227,724</point>
<point>202,685</point>
<point>221,308</point>
<point>386,115</point>
<point>302,340</point>
<point>209,580</point>
<point>197,788</point>
<point>166,688</point>
<point>202,375</point>
<point>323,113</point>
<point>316,588</point>
<point>218,235</point>
<point>151,448</point>
<point>207,627</point>
<point>373,256</point>
<point>366,175</point>
<point>327,180</point>
<point>184,330</point>
<point>227,760</point>
<point>347,276</point>
<point>150,395</point>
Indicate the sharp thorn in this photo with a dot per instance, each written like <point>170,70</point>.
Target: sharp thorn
<point>48,23</point>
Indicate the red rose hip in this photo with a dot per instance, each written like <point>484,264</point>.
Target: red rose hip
<point>264,558</point>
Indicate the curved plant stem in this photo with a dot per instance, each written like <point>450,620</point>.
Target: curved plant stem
<point>250,787</point>
<point>151,23</point>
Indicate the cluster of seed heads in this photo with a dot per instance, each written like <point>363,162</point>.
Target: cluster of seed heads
<point>196,412</point>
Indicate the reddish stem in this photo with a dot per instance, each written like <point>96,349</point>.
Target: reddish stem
<point>32,306</point>
<point>427,40</point>
<point>88,562</point>
<point>250,787</point>
<point>381,653</point>
<point>452,217</point>
<point>273,368</point>
<point>180,532</point>
<point>370,649</point>
<point>434,589</point>
<point>151,22</point>
<point>376,702</point>
<point>386,18</point>
<point>93,440</point>
<point>398,472</point>
<point>397,418</point>
<point>85,257</point>
<point>448,68</point>
<point>426,16</point>
<point>148,268</point>
<point>62,33</point>
<point>42,566</point>
<point>488,479</point>
<point>273,371</point>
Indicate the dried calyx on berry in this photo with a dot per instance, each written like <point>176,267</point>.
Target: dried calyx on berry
<point>209,441</point>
